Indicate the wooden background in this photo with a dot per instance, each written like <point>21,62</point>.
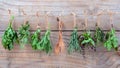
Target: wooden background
<point>28,58</point>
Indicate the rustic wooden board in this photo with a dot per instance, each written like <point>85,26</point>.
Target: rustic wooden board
<point>28,58</point>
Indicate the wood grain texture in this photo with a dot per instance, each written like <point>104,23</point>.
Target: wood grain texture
<point>28,58</point>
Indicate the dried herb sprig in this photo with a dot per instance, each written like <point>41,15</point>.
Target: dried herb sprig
<point>10,36</point>
<point>60,47</point>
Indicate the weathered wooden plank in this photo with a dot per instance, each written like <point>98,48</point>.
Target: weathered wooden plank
<point>29,58</point>
<point>64,5</point>
<point>107,60</point>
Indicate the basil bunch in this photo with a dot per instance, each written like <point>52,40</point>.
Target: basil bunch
<point>111,40</point>
<point>35,39</point>
<point>10,36</point>
<point>24,34</point>
<point>74,44</point>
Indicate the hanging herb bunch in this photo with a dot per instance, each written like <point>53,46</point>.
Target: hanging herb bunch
<point>45,43</point>
<point>99,34</point>
<point>35,39</point>
<point>36,36</point>
<point>74,44</point>
<point>59,48</point>
<point>85,39</point>
<point>24,34</point>
<point>10,36</point>
<point>111,39</point>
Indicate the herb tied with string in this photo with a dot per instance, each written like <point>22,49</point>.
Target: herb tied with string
<point>24,34</point>
<point>60,47</point>
<point>99,34</point>
<point>111,40</point>
<point>74,44</point>
<point>36,36</point>
<point>45,43</point>
<point>86,40</point>
<point>10,36</point>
